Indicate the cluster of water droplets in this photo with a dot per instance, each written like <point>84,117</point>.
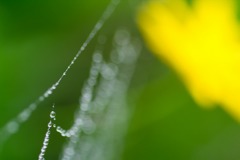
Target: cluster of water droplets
<point>12,126</point>
<point>85,100</point>
<point>101,122</point>
<point>51,124</point>
<point>101,119</point>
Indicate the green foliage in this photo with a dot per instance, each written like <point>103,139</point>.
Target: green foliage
<point>38,40</point>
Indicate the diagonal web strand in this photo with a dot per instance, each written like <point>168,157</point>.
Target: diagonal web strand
<point>13,125</point>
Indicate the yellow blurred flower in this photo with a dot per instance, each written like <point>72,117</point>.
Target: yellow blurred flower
<point>201,43</point>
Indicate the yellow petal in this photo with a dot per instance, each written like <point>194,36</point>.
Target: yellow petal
<point>201,43</point>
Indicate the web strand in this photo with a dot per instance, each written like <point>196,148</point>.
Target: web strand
<point>102,117</point>
<point>47,135</point>
<point>12,126</point>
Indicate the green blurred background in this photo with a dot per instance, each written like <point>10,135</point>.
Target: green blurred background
<point>38,39</point>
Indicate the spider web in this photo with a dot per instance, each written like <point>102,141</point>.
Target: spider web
<point>93,133</point>
<point>12,126</point>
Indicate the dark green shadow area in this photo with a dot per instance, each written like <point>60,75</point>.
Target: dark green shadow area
<point>168,125</point>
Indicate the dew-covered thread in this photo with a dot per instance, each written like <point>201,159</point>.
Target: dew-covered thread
<point>81,115</point>
<point>51,124</point>
<point>12,126</point>
<point>86,97</point>
<point>111,107</point>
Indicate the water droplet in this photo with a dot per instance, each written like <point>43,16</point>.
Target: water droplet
<point>50,124</point>
<point>122,37</point>
<point>32,107</point>
<point>23,116</point>
<point>45,143</point>
<point>109,71</point>
<point>97,58</point>
<point>12,127</point>
<point>52,115</point>
<point>89,126</point>
<point>41,98</point>
<point>59,129</point>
